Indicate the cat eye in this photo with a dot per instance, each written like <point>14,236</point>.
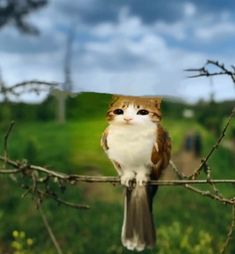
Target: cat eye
<point>143,112</point>
<point>118,111</point>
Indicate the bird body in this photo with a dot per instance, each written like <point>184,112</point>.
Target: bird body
<point>131,145</point>
<point>140,149</point>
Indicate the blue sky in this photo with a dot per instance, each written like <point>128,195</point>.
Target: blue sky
<point>131,47</point>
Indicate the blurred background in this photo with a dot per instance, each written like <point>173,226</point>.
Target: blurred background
<point>102,47</point>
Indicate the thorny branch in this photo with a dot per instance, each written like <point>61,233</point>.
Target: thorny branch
<point>205,72</point>
<point>214,147</point>
<point>75,179</point>
<point>49,230</point>
<point>6,140</point>
<point>230,232</point>
<point>35,86</point>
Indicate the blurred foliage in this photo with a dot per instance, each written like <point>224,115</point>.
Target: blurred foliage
<point>210,114</point>
<point>88,105</point>
<point>183,218</point>
<point>171,239</point>
<point>15,12</point>
<point>27,112</point>
<point>174,239</point>
<point>21,244</point>
<point>93,105</point>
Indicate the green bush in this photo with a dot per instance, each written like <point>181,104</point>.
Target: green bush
<point>21,244</point>
<point>175,239</point>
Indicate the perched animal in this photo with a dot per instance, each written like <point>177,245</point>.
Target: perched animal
<point>139,149</point>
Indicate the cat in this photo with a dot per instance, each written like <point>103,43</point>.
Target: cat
<point>139,149</point>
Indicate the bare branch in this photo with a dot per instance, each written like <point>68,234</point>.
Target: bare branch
<point>204,72</point>
<point>214,147</point>
<point>210,181</point>
<point>35,86</point>
<point>75,179</point>
<point>63,202</point>
<point>49,230</point>
<point>230,232</point>
<point>6,137</point>
<point>211,195</point>
<point>9,171</point>
<point>179,173</point>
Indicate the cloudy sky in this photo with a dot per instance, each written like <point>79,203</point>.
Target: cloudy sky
<point>131,47</point>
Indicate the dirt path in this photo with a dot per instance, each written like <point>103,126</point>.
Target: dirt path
<point>229,144</point>
<point>187,162</point>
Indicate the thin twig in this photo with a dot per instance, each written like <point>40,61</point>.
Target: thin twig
<point>179,173</point>
<point>214,147</point>
<point>210,195</point>
<point>35,86</point>
<point>10,171</point>
<point>204,72</point>
<point>6,137</point>
<point>49,230</point>
<point>230,232</point>
<point>35,82</point>
<point>61,201</point>
<point>210,180</point>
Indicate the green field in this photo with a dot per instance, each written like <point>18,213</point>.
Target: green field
<point>186,222</point>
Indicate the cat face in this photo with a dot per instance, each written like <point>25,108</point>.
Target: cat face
<point>132,111</point>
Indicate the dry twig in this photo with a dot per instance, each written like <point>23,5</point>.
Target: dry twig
<point>35,86</point>
<point>5,146</point>
<point>75,179</point>
<point>205,72</point>
<point>230,232</point>
<point>214,147</point>
<point>49,230</point>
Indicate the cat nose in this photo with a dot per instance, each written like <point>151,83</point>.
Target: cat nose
<point>127,119</point>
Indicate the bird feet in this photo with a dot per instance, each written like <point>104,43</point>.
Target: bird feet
<point>127,179</point>
<point>142,178</point>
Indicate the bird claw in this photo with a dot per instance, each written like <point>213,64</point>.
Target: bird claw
<point>142,179</point>
<point>127,179</point>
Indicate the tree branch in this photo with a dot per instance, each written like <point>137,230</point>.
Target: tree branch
<point>205,72</point>
<point>214,147</point>
<point>230,232</point>
<point>49,230</point>
<point>75,179</point>
<point>211,195</point>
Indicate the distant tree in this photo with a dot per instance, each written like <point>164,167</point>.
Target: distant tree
<point>15,12</point>
<point>62,96</point>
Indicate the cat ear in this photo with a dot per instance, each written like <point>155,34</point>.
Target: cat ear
<point>114,99</point>
<point>157,102</point>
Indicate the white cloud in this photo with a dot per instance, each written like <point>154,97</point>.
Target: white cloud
<point>145,66</point>
<point>127,56</point>
<point>219,30</point>
<point>177,30</point>
<point>127,26</point>
<point>189,9</point>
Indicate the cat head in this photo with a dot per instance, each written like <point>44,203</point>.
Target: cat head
<point>130,110</point>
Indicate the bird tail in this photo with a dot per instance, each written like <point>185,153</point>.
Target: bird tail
<point>138,231</point>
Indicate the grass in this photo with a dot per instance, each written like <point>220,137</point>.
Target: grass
<point>75,148</point>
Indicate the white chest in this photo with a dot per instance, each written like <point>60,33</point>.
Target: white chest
<point>131,145</point>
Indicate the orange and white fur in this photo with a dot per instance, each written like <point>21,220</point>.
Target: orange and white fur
<point>140,149</point>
